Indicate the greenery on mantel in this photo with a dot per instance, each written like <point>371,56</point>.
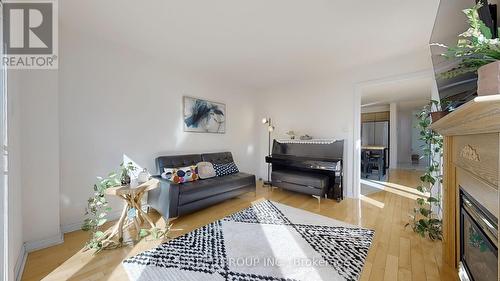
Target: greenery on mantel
<point>424,219</point>
<point>98,208</point>
<point>475,46</point>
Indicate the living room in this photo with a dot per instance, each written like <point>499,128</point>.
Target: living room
<point>224,136</point>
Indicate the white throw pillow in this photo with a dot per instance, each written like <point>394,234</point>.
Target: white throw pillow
<point>206,170</point>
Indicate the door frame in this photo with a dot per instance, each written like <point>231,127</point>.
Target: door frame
<point>358,94</point>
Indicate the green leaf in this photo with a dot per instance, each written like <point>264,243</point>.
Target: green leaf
<point>432,200</point>
<point>143,233</point>
<point>100,222</point>
<point>425,212</point>
<point>420,201</point>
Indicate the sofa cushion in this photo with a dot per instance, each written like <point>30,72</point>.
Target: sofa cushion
<point>206,170</point>
<point>196,190</point>
<point>181,175</point>
<point>176,161</point>
<point>218,158</point>
<point>225,169</point>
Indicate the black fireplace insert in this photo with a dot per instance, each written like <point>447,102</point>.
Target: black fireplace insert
<point>479,241</point>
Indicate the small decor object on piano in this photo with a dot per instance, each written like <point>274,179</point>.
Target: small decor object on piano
<point>225,169</point>
<point>291,134</point>
<point>306,137</point>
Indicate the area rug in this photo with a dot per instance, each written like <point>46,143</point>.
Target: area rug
<point>267,241</point>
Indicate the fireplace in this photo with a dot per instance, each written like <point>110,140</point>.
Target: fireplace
<point>479,241</point>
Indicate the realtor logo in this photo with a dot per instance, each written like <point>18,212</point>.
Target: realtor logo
<point>30,34</point>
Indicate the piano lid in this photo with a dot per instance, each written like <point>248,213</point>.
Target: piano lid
<point>316,148</point>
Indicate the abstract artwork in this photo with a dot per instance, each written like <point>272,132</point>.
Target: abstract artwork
<point>204,116</point>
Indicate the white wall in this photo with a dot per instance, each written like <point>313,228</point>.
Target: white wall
<point>115,101</point>
<point>416,143</point>
<point>15,204</point>
<point>40,156</point>
<point>325,109</point>
<point>404,136</point>
<point>33,163</point>
<point>393,145</point>
<point>375,108</point>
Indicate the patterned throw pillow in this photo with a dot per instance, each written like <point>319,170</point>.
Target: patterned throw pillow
<point>225,169</point>
<point>180,175</point>
<point>206,170</point>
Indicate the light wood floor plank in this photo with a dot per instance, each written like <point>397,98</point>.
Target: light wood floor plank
<point>396,253</point>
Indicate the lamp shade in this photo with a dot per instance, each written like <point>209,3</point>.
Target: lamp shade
<point>264,120</point>
<point>270,128</point>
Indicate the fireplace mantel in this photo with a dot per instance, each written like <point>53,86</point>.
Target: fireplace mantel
<point>479,116</point>
<point>471,158</point>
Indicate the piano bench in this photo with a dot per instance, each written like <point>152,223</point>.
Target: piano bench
<point>304,182</point>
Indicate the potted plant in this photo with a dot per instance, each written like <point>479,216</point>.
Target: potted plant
<point>435,110</point>
<point>425,219</point>
<point>478,52</point>
<point>98,208</point>
<point>125,170</point>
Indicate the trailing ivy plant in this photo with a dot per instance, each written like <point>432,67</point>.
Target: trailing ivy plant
<point>424,220</point>
<point>475,47</point>
<point>98,208</point>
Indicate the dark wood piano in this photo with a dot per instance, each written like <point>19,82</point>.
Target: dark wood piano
<point>323,157</point>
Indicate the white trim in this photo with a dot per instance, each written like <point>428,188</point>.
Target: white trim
<point>358,92</point>
<point>32,246</point>
<point>20,263</point>
<point>311,141</point>
<point>70,227</point>
<point>393,135</point>
<point>356,140</point>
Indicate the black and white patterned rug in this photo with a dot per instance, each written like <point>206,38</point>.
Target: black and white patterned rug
<point>267,241</point>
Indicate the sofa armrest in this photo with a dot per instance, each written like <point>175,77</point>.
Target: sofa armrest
<point>165,198</point>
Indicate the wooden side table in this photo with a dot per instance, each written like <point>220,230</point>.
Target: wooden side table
<point>132,212</point>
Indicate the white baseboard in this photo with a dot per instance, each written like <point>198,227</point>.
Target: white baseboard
<point>78,225</point>
<point>41,244</point>
<point>20,262</point>
<point>51,241</point>
<point>31,246</point>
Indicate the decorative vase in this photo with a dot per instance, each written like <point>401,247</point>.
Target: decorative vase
<point>488,82</point>
<point>143,176</point>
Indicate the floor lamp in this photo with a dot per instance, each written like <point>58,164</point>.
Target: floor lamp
<point>270,129</point>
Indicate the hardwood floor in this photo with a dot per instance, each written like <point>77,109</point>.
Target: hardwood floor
<point>396,253</point>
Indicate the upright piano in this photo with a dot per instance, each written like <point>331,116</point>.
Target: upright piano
<point>311,156</point>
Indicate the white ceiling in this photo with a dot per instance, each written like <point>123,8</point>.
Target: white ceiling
<point>417,89</point>
<point>260,43</point>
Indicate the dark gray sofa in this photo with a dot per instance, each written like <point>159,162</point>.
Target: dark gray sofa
<point>172,200</point>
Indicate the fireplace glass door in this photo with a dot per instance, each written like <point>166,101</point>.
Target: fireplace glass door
<point>479,247</point>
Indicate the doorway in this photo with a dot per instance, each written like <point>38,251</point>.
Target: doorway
<point>386,147</point>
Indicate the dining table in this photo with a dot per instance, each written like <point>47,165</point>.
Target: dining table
<point>368,152</point>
